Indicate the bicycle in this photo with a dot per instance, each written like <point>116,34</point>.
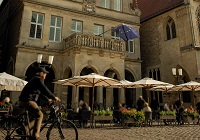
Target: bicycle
<point>56,125</point>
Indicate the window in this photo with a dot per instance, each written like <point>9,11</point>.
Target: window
<point>105,3</point>
<point>115,35</point>
<point>117,5</point>
<point>155,74</point>
<point>170,29</point>
<point>55,28</point>
<point>76,26</point>
<point>98,30</point>
<point>131,46</point>
<point>36,25</point>
<point>198,18</point>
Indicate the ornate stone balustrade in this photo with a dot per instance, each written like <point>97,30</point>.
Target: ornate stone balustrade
<point>94,41</point>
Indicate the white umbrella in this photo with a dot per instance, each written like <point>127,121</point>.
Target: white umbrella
<point>11,83</point>
<point>189,86</point>
<point>123,84</point>
<point>162,88</point>
<point>148,83</point>
<point>91,80</point>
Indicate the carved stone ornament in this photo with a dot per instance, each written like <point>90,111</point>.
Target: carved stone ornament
<point>89,6</point>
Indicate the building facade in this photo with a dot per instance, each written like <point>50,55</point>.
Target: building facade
<point>78,33</point>
<point>170,39</point>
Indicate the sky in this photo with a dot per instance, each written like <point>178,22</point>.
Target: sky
<point>1,1</point>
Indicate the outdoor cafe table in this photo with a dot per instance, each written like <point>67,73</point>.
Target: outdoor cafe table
<point>3,111</point>
<point>102,119</point>
<point>168,118</point>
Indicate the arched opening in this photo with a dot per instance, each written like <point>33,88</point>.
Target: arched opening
<point>130,93</point>
<point>31,72</point>
<point>85,93</point>
<point>111,73</point>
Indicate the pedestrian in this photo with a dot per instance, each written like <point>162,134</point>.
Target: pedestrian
<point>140,103</point>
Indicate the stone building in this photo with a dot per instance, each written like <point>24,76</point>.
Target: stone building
<point>78,33</point>
<point>170,39</point>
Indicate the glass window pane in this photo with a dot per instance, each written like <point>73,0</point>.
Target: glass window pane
<point>58,34</point>
<point>32,30</point>
<point>39,31</point>
<point>73,27</point>
<point>40,18</point>
<point>53,21</point>
<point>51,36</point>
<point>34,17</point>
<point>59,21</point>
<point>79,26</point>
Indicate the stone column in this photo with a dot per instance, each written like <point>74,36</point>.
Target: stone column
<point>86,94</point>
<point>121,95</point>
<point>109,97</point>
<point>75,95</point>
<point>100,94</point>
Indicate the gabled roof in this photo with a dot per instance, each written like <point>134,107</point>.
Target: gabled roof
<point>152,8</point>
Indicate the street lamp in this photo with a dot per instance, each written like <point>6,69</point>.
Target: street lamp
<point>177,76</point>
<point>39,60</point>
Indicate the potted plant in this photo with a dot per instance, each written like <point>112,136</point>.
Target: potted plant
<point>133,116</point>
<point>168,115</point>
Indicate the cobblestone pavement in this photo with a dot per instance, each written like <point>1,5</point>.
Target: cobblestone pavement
<point>183,132</point>
<point>180,132</point>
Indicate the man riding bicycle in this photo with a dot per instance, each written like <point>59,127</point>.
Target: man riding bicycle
<point>29,96</point>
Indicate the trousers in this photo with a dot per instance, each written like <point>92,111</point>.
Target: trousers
<point>36,114</point>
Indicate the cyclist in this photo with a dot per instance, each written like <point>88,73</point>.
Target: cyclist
<point>28,99</point>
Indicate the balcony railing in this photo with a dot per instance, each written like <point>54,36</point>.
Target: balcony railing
<point>94,41</point>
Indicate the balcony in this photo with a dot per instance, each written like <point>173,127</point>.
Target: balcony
<point>95,42</point>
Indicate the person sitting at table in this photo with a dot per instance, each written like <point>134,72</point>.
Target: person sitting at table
<point>9,104</point>
<point>85,106</point>
<point>146,108</point>
<point>123,107</point>
<point>166,108</point>
<point>179,113</point>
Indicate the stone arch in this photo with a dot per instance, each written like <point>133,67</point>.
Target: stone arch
<point>93,67</point>
<point>187,96</point>
<point>114,69</point>
<point>111,96</point>
<point>67,72</point>
<point>85,93</point>
<point>67,90</point>
<point>31,71</point>
<point>130,93</point>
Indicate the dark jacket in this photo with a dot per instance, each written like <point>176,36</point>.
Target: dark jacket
<point>34,88</point>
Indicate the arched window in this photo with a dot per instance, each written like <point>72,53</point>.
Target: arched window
<point>170,29</point>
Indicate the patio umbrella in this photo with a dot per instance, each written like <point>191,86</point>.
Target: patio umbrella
<point>91,80</point>
<point>165,89</point>
<point>11,83</point>
<point>126,32</point>
<point>189,86</point>
<point>123,84</point>
<point>148,83</point>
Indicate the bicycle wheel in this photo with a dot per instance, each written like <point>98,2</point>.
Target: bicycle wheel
<point>66,130</point>
<point>8,128</point>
